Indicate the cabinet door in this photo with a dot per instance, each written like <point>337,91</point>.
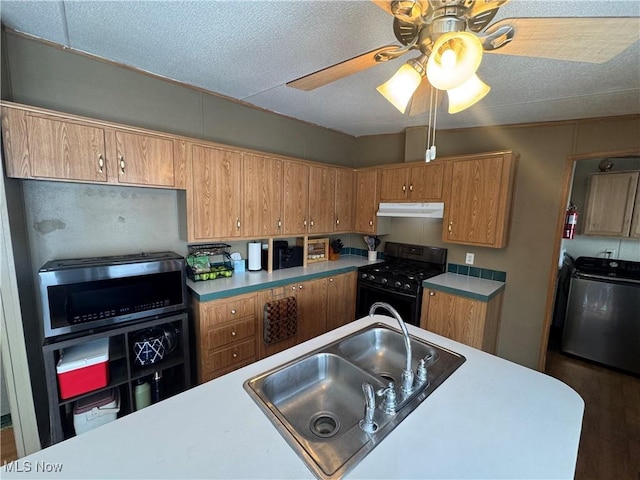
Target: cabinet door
<point>144,159</point>
<point>341,299</point>
<point>458,318</point>
<point>366,201</point>
<point>425,184</point>
<point>477,208</point>
<point>265,296</point>
<point>394,184</point>
<point>215,196</point>
<point>66,150</point>
<point>610,202</point>
<point>262,195</point>
<point>345,199</point>
<point>635,221</point>
<point>296,198</point>
<point>322,185</point>
<point>312,308</point>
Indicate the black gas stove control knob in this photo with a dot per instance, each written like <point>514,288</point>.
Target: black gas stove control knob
<point>407,286</point>
<point>371,277</point>
<point>384,280</point>
<point>364,276</point>
<point>398,284</point>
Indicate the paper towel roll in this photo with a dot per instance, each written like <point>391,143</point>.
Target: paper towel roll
<point>255,256</point>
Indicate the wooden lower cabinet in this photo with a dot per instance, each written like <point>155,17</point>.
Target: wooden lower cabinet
<point>225,334</point>
<point>341,299</point>
<point>465,320</point>
<point>229,332</point>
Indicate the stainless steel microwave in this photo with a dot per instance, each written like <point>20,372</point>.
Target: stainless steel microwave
<point>84,294</point>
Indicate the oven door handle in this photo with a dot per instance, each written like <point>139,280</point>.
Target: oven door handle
<point>367,286</point>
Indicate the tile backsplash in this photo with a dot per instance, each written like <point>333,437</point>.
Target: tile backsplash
<point>477,272</point>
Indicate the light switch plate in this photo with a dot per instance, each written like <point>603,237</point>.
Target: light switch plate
<point>469,259</point>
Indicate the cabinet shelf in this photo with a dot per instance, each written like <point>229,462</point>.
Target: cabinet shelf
<point>123,372</point>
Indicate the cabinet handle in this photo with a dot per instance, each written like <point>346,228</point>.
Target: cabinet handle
<point>233,333</point>
<point>331,280</point>
<point>237,223</point>
<point>121,164</point>
<point>279,224</point>
<point>337,221</point>
<point>100,163</point>
<point>300,287</point>
<point>312,223</point>
<point>432,293</point>
<point>404,187</point>
<point>450,227</point>
<point>411,187</point>
<point>304,222</point>
<point>235,354</point>
<point>293,288</point>
<point>233,311</point>
<point>371,223</point>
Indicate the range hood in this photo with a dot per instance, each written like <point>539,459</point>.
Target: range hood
<point>419,210</point>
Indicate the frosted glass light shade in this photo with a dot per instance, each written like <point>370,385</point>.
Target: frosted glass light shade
<point>455,57</point>
<point>467,94</point>
<point>400,88</point>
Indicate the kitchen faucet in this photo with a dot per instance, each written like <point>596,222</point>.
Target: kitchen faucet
<point>407,374</point>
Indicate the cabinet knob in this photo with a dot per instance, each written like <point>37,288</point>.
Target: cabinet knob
<point>279,224</point>
<point>237,223</point>
<point>300,287</point>
<point>450,227</point>
<point>304,222</point>
<point>331,280</point>
<point>312,222</point>
<point>100,163</point>
<point>233,333</point>
<point>337,221</point>
<point>411,187</point>
<point>432,293</point>
<point>235,355</point>
<point>404,187</point>
<point>371,223</point>
<point>122,164</point>
<point>293,288</point>
<point>233,311</point>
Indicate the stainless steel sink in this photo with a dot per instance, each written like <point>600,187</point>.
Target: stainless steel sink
<point>316,401</point>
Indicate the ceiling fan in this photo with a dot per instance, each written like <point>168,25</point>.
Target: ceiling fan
<point>451,36</point>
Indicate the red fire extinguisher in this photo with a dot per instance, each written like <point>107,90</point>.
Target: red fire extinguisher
<point>570,222</point>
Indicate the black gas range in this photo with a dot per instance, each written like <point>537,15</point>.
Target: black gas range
<point>398,279</point>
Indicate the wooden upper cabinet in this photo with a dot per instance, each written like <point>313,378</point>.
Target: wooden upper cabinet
<point>144,159</point>
<point>635,221</point>
<point>215,196</point>
<point>366,201</point>
<point>417,183</point>
<point>64,150</point>
<point>262,195</point>
<point>322,188</point>
<point>296,198</point>
<point>345,200</point>
<point>478,200</point>
<point>610,205</point>
<point>44,144</point>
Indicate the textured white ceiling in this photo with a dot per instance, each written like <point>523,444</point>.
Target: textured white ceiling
<point>250,50</point>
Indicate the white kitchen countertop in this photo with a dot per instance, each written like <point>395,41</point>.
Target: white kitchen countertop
<point>247,282</point>
<point>490,419</point>
<point>466,285</point>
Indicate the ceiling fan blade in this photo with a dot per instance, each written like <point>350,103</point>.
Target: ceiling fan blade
<point>588,39</point>
<point>384,4</point>
<point>338,71</point>
<point>420,101</point>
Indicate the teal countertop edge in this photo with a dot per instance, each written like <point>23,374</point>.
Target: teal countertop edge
<point>464,292</point>
<point>304,275</point>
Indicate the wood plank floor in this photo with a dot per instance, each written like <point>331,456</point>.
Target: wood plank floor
<point>8,451</point>
<point>610,440</point>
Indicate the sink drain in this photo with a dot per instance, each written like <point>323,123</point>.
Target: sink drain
<point>387,376</point>
<point>324,425</point>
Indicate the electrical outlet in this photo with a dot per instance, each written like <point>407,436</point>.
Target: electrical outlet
<point>469,259</point>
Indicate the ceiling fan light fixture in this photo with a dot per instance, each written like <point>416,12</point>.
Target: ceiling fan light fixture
<point>467,94</point>
<point>399,89</point>
<point>455,58</point>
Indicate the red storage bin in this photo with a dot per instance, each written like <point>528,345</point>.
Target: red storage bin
<point>83,368</point>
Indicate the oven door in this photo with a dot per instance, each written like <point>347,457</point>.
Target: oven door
<point>407,304</point>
